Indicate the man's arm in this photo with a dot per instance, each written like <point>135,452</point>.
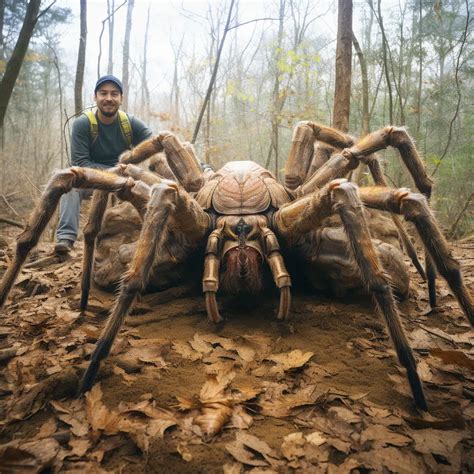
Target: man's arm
<point>139,130</point>
<point>80,144</point>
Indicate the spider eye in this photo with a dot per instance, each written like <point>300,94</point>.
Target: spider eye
<point>242,229</point>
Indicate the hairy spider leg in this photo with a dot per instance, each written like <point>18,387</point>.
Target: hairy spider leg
<point>399,138</point>
<point>301,153</point>
<point>91,230</point>
<point>168,203</point>
<point>180,157</point>
<point>414,207</point>
<point>60,183</point>
<point>138,196</point>
<point>304,138</point>
<point>342,197</point>
<point>375,169</point>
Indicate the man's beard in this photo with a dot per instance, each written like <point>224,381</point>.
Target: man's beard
<point>108,114</point>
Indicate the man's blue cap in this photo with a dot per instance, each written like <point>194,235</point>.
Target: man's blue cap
<point>108,78</point>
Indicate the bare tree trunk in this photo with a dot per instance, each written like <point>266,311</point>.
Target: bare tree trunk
<point>385,59</point>
<point>111,22</point>
<point>420,66</point>
<point>126,53</point>
<point>2,20</point>
<point>145,93</point>
<point>16,60</point>
<point>365,87</point>
<point>277,103</point>
<point>342,93</point>
<point>365,129</point>
<point>61,101</point>
<point>214,75</point>
<point>174,99</point>
<point>81,60</point>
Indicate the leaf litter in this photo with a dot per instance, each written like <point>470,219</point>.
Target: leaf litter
<point>327,396</point>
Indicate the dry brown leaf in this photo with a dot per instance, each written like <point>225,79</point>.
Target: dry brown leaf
<point>345,414</point>
<point>382,436</point>
<point>157,427</point>
<point>454,358</point>
<point>200,345</point>
<point>247,347</point>
<point>430,441</point>
<point>74,415</point>
<point>47,429</point>
<point>101,418</point>
<point>80,467</point>
<point>250,450</point>
<point>343,446</point>
<point>186,352</point>
<point>280,406</point>
<point>36,456</point>
<point>59,385</point>
<point>316,437</point>
<point>157,420</point>
<point>427,420</point>
<point>234,468</point>
<point>215,386</point>
<point>463,338</point>
<point>289,360</point>
<point>293,446</point>
<point>393,459</point>
<point>79,447</point>
<point>216,406</point>
<point>127,378</point>
<point>240,418</point>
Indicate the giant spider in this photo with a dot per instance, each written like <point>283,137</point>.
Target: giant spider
<point>241,214</point>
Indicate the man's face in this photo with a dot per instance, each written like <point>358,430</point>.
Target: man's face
<point>108,99</point>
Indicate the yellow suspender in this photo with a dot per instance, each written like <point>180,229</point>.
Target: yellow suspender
<point>125,126</point>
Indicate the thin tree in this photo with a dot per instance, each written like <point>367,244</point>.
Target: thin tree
<point>2,21</point>
<point>108,19</point>
<point>111,24</point>
<point>15,62</point>
<point>342,92</point>
<point>277,102</point>
<point>365,129</point>
<point>126,53</point>
<point>213,76</point>
<point>145,92</point>
<point>81,59</point>
<point>174,97</point>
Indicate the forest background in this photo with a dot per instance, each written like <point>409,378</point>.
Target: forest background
<point>412,65</point>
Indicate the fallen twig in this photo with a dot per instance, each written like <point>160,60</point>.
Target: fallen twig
<point>6,220</point>
<point>5,200</point>
<point>45,261</point>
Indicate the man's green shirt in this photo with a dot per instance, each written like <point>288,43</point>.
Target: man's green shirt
<point>108,145</point>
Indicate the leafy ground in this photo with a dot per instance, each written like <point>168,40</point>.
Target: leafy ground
<point>323,393</point>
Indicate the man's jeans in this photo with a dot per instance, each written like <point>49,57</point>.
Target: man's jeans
<point>69,211</point>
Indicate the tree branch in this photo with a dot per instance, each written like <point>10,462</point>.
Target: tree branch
<point>214,75</point>
<point>453,228</point>
<point>102,33</point>
<point>45,10</point>
<point>458,90</point>
<point>250,21</point>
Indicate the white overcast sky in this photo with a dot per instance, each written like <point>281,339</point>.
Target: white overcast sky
<point>169,21</point>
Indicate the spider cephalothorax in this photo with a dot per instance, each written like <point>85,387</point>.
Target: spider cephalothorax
<point>241,214</point>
